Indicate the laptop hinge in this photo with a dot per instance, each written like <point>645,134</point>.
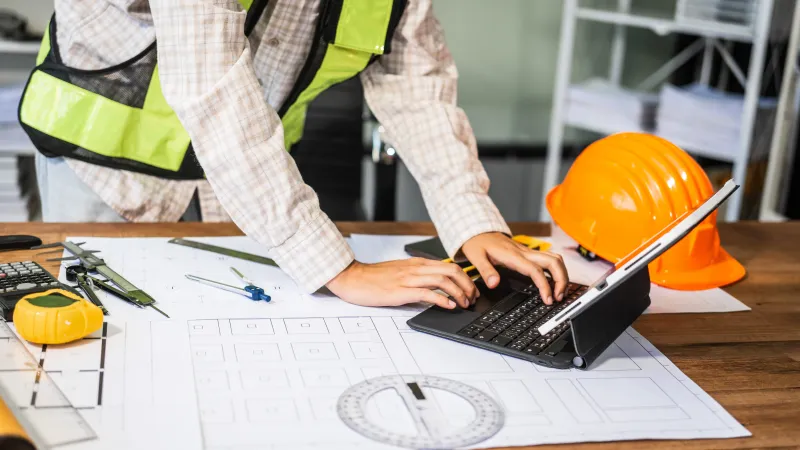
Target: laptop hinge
<point>599,325</point>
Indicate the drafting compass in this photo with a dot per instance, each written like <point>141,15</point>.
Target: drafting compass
<point>92,263</point>
<point>250,290</point>
<point>432,428</point>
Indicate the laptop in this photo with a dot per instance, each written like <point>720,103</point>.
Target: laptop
<point>512,320</point>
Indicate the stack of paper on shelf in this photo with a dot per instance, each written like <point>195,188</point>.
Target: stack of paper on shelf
<point>15,186</point>
<point>598,105</point>
<point>708,121</point>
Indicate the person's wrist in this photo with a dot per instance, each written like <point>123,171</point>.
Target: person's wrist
<point>337,281</point>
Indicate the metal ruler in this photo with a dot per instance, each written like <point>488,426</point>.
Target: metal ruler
<point>224,251</point>
<point>39,407</point>
<point>431,423</point>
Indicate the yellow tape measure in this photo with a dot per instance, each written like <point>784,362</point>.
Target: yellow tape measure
<point>530,242</point>
<point>56,316</point>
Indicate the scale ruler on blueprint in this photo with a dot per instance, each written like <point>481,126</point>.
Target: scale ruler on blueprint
<point>31,394</point>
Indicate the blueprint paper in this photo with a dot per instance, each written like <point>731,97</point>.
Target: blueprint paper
<point>227,373</point>
<point>274,383</point>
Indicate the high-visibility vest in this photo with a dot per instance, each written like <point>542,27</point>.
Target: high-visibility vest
<point>117,117</point>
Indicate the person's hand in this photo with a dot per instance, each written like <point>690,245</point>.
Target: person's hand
<point>396,283</point>
<point>486,250</point>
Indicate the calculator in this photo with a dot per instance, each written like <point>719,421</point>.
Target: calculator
<point>20,279</point>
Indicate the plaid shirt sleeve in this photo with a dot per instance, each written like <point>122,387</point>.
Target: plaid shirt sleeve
<point>412,92</point>
<point>207,76</point>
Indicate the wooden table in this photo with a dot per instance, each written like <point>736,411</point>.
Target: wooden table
<point>748,361</point>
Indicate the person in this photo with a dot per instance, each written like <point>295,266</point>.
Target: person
<point>229,78</point>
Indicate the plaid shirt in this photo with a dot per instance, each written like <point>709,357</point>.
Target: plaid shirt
<point>224,87</point>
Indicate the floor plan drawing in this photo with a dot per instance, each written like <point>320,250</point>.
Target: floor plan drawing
<point>279,386</point>
<point>242,383</point>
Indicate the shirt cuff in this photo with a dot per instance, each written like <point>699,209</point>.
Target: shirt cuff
<point>314,255</point>
<point>464,217</point>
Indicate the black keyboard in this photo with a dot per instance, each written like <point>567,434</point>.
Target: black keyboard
<point>512,322</point>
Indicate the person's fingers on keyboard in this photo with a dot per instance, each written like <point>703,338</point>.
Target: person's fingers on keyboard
<point>485,268</point>
<point>440,282</point>
<point>455,274</point>
<point>527,267</point>
<point>411,295</point>
<point>554,263</point>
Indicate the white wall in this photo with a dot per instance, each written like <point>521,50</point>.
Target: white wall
<point>506,53</point>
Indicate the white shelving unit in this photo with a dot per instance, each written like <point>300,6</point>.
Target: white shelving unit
<point>713,20</point>
<point>782,151</point>
<point>10,137</point>
<point>25,48</point>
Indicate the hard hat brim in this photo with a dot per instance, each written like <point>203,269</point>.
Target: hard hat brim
<point>723,271</point>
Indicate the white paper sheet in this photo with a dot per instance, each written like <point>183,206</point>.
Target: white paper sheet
<point>274,382</point>
<point>377,248</point>
<point>159,268</point>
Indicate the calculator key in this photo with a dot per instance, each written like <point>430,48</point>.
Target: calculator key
<point>27,262</point>
<point>24,272</point>
<point>2,275</point>
<point>23,286</point>
<point>54,283</point>
<point>12,274</point>
<point>43,284</point>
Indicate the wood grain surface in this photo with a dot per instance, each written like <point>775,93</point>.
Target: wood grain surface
<point>748,361</point>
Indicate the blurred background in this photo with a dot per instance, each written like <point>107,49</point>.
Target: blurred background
<point>539,81</point>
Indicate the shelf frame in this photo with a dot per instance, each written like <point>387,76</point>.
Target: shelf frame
<point>758,37</point>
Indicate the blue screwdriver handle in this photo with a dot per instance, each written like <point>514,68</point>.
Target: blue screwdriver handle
<point>257,293</point>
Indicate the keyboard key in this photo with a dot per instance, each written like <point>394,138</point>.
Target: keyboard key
<point>483,323</point>
<point>470,330</point>
<point>501,340</point>
<point>508,303</point>
<point>485,335</point>
<point>496,329</point>
<point>516,346</point>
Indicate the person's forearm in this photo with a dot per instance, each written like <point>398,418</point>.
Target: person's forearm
<point>207,77</point>
<point>412,92</point>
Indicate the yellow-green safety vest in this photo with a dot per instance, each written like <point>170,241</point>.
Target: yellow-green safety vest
<point>117,117</point>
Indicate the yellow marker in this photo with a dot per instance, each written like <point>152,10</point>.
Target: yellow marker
<point>530,242</point>
<point>56,316</point>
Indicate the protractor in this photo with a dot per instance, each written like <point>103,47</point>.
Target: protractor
<point>420,411</point>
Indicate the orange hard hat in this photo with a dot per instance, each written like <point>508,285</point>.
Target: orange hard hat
<point>624,189</point>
